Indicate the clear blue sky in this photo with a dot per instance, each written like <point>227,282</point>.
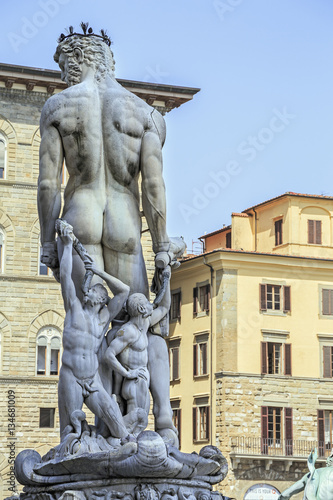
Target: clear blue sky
<point>262,123</point>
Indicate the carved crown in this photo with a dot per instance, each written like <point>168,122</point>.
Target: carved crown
<point>86,32</point>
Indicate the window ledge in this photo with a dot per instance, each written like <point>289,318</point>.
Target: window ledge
<point>274,313</point>
<point>198,441</point>
<point>203,376</point>
<point>201,314</point>
<point>175,381</point>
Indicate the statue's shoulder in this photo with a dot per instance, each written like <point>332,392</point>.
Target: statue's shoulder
<point>158,124</point>
<point>51,106</point>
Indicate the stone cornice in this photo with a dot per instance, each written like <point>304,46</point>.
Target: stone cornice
<point>40,279</point>
<point>28,380</point>
<point>277,378</point>
<point>167,97</point>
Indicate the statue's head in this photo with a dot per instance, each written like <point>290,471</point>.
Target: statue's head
<point>138,304</point>
<point>75,50</point>
<point>97,294</point>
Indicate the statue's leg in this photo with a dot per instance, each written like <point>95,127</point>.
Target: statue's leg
<point>129,268</point>
<point>69,398</point>
<point>158,365</point>
<point>106,408</point>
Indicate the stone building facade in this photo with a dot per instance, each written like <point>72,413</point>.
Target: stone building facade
<point>251,343</point>
<point>31,310</point>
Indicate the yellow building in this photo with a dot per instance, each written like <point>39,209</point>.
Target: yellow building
<point>31,309</point>
<point>251,345</point>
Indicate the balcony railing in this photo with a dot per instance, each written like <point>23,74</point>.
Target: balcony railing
<point>278,447</point>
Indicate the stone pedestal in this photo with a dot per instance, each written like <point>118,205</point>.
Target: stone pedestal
<point>124,489</point>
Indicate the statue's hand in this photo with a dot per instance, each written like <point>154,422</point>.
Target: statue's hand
<point>162,259</point>
<point>91,266</point>
<point>136,374</point>
<point>50,255</point>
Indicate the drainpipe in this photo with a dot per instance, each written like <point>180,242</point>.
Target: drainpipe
<point>255,230</point>
<point>203,244</point>
<point>211,349</point>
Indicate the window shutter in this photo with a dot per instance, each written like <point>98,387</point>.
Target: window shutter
<point>263,357</point>
<point>179,420</point>
<point>330,295</point>
<point>287,301</point>
<point>195,301</point>
<point>310,231</point>
<point>180,305</point>
<point>289,431</point>
<point>326,301</point>
<point>318,231</point>
<point>327,360</point>
<point>264,430</point>
<point>207,298</point>
<point>263,295</point>
<point>204,358</point>
<point>194,419</point>
<point>207,422</point>
<point>321,433</point>
<point>175,365</point>
<point>195,357</point>
<point>287,359</point>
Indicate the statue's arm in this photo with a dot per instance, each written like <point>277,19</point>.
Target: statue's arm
<point>67,285</point>
<point>163,309</point>
<point>153,188</point>
<point>117,287</point>
<point>295,488</point>
<point>49,181</point>
<point>122,340</point>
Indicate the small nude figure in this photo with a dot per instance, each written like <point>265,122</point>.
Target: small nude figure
<point>127,353</point>
<point>85,326</point>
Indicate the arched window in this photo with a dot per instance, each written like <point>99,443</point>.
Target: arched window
<point>48,352</point>
<point>2,250</point>
<point>3,156</point>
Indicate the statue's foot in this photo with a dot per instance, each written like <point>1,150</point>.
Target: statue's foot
<point>169,436</point>
<point>136,421</point>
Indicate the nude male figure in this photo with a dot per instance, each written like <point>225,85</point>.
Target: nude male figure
<point>85,326</point>
<point>107,136</point>
<point>127,353</point>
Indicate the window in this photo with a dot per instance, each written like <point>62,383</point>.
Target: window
<point>200,355</point>
<point>273,435</point>
<point>275,298</point>
<point>174,359</point>
<point>3,153</point>
<point>327,302</point>
<point>177,417</point>
<point>201,423</point>
<point>325,432</point>
<point>327,362</point>
<point>2,251</point>
<point>43,269</point>
<point>314,232</point>
<point>228,240</point>
<point>175,305</point>
<point>275,358</point>
<point>48,352</point>
<point>278,232</point>
<point>201,299</point>
<point>46,417</point>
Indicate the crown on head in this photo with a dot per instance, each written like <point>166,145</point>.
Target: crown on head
<point>86,32</point>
